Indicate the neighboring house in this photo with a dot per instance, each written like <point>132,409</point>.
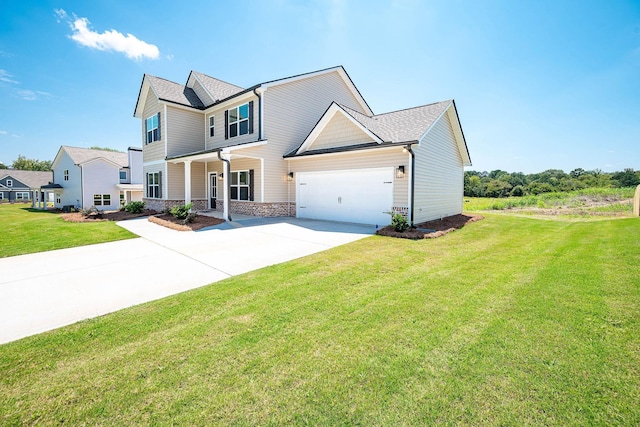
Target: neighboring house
<point>306,146</point>
<point>84,177</point>
<point>21,185</point>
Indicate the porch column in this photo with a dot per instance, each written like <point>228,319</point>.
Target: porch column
<point>187,182</point>
<point>225,192</point>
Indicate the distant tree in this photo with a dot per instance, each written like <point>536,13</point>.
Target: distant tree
<point>498,188</point>
<point>626,178</point>
<point>577,173</point>
<point>22,163</point>
<point>473,186</point>
<point>517,191</point>
<point>540,187</point>
<point>2,166</point>
<point>105,149</point>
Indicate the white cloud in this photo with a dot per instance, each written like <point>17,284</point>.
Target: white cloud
<point>6,77</point>
<point>110,40</point>
<point>3,132</point>
<point>31,95</point>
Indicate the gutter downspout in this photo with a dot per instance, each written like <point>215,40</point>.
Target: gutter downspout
<point>227,192</point>
<point>413,178</point>
<point>259,114</point>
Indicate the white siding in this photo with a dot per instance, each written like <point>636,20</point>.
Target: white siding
<point>72,193</point>
<point>339,132</point>
<point>154,150</point>
<point>359,160</point>
<point>185,131</point>
<point>439,182</point>
<point>135,167</point>
<point>100,177</point>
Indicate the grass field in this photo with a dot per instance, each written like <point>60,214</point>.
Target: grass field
<point>26,230</point>
<point>509,321</point>
<point>579,203</point>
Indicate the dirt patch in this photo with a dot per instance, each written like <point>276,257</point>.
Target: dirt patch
<point>440,227</point>
<point>200,221</point>
<point>107,216</point>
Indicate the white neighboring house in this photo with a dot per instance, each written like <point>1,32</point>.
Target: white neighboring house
<point>85,177</point>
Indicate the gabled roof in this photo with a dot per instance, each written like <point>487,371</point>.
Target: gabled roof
<point>33,179</point>
<point>408,126</point>
<point>83,155</point>
<point>221,91</point>
<point>215,88</point>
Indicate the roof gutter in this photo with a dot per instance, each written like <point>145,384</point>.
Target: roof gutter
<point>255,91</point>
<point>413,178</point>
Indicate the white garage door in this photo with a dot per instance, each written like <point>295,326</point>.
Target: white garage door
<point>362,196</point>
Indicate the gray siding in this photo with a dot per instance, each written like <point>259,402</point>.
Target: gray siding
<point>218,139</point>
<point>154,150</point>
<point>185,131</point>
<point>439,179</point>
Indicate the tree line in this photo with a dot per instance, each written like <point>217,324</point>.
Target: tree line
<point>25,164</point>
<point>499,183</point>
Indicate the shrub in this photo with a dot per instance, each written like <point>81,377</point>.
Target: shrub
<point>399,223</point>
<point>181,212</point>
<point>134,207</point>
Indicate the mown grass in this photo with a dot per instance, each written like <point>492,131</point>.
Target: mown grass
<point>588,200</point>
<point>509,321</point>
<point>26,230</point>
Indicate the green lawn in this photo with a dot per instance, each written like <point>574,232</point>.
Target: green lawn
<point>26,230</point>
<point>509,321</point>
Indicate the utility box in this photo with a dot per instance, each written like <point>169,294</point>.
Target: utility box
<point>636,202</point>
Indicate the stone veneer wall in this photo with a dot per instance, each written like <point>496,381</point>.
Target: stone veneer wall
<point>244,208</point>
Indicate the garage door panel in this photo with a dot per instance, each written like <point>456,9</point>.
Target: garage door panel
<point>361,196</point>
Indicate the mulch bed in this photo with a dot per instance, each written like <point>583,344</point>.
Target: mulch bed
<point>200,221</point>
<point>107,216</point>
<point>441,227</point>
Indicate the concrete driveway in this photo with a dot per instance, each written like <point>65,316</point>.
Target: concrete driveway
<point>43,291</point>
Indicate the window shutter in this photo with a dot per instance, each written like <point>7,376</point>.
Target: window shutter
<point>160,185</point>
<point>226,124</point>
<point>251,118</point>
<point>159,133</point>
<point>144,131</point>
<point>251,183</point>
<point>147,182</point>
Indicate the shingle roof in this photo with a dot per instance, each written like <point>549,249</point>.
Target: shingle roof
<point>34,179</point>
<point>402,125</point>
<point>218,89</point>
<point>82,155</point>
<point>175,92</point>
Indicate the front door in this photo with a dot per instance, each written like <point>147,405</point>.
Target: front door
<point>213,189</point>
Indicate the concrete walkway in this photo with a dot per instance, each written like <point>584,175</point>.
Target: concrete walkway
<point>44,291</point>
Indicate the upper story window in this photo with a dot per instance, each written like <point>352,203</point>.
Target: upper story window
<point>212,126</point>
<point>239,120</point>
<point>9,183</point>
<point>152,125</point>
<point>123,175</point>
<point>65,173</point>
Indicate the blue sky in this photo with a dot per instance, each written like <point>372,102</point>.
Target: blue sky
<point>538,85</point>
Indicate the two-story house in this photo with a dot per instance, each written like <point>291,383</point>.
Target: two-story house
<point>85,177</point>
<point>306,146</point>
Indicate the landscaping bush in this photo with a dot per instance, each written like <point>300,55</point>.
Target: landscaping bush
<point>181,212</point>
<point>134,207</point>
<point>399,223</point>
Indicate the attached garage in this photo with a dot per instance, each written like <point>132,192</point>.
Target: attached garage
<point>363,196</point>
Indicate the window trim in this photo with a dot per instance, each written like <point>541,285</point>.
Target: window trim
<point>102,199</point>
<point>155,185</point>
<point>65,174</point>
<point>238,186</point>
<point>9,183</point>
<point>212,127</point>
<point>238,120</point>
<point>22,193</point>
<point>152,134</point>
<point>122,171</point>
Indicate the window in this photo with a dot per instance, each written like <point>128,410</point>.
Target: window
<point>58,198</point>
<point>123,175</point>
<point>1,196</point>
<point>122,201</point>
<point>101,199</point>
<point>9,183</point>
<point>153,185</point>
<point>152,125</point>
<point>22,196</point>
<point>239,120</point>
<point>212,125</point>
<point>66,174</point>
<point>240,185</point>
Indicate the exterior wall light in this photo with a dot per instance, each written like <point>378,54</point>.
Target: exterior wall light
<point>221,176</point>
<point>400,171</point>
<point>290,176</point>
